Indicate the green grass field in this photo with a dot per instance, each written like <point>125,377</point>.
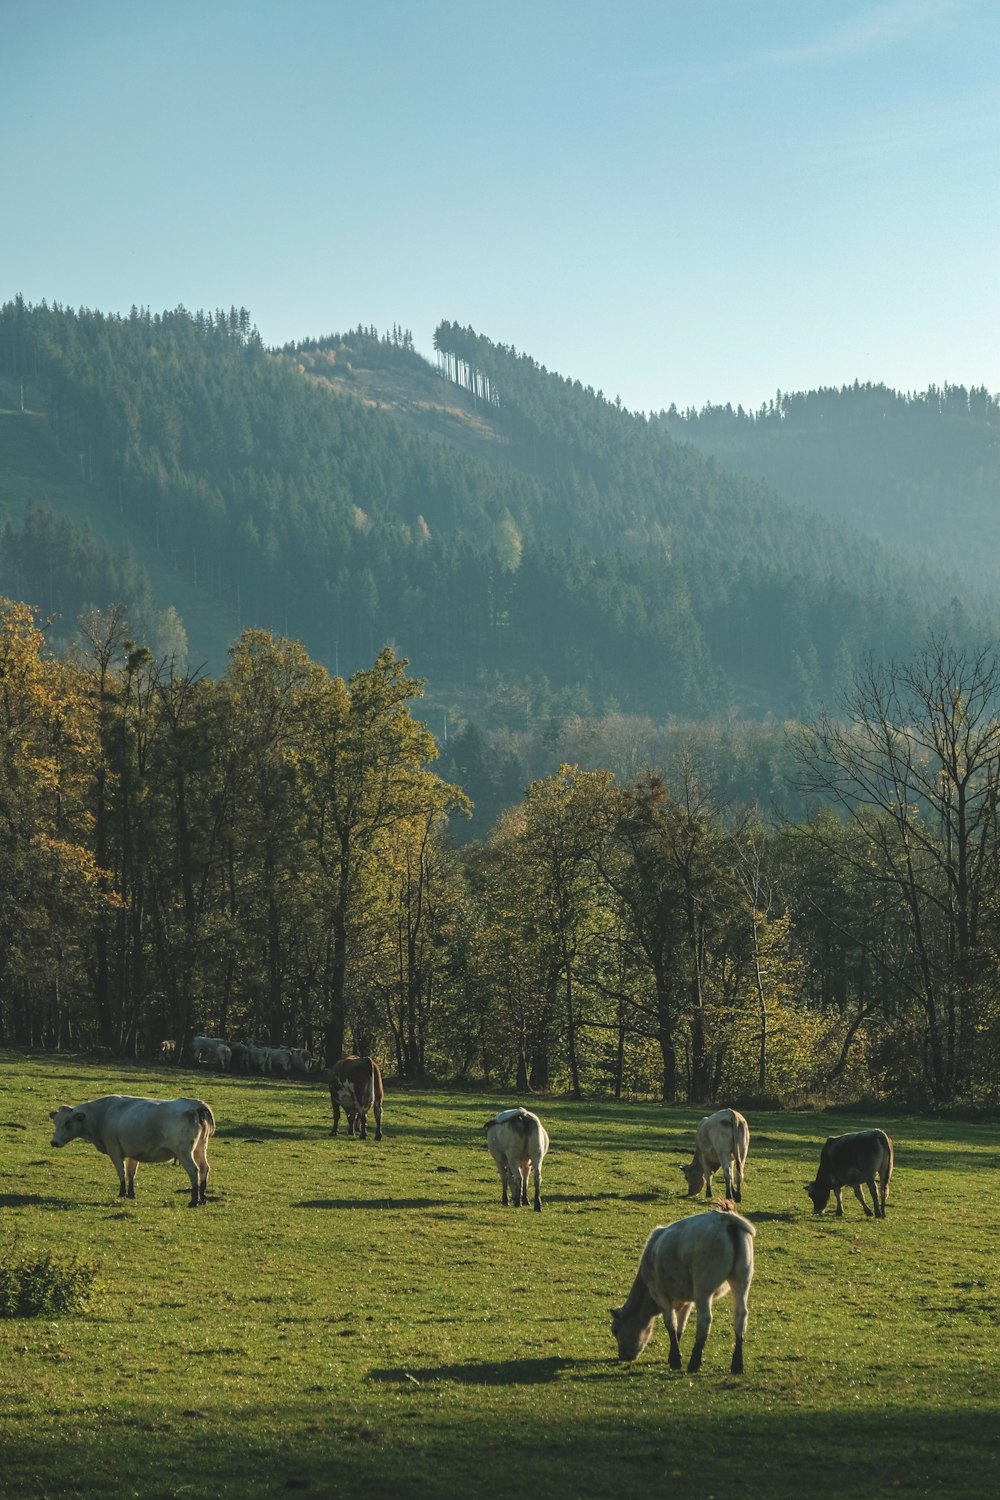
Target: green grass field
<point>352,1318</point>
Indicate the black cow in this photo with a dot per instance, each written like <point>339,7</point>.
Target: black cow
<point>849,1161</point>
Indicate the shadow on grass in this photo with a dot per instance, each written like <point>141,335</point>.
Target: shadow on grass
<point>391,1204</point>
<point>611,1448</point>
<point>492,1372</point>
<point>256,1135</point>
<point>33,1200</point>
<point>643,1197</point>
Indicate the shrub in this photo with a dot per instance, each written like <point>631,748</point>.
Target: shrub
<point>45,1285</point>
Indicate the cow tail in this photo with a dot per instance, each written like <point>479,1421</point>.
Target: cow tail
<point>206,1117</point>
<point>741,1234</point>
<point>888,1168</point>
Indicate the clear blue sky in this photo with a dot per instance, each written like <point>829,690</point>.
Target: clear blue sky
<point>706,200</point>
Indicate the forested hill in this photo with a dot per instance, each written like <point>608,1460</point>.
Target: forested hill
<point>918,471</point>
<point>498,524</point>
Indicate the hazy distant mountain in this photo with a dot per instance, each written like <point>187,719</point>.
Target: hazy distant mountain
<point>520,538</point>
<point>919,472</point>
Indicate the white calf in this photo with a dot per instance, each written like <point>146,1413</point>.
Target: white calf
<point>518,1140</point>
<point>722,1139</point>
<point>687,1264</point>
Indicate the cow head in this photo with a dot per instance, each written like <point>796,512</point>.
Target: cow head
<point>695,1177</point>
<point>819,1194</point>
<point>630,1335</point>
<point>69,1124</point>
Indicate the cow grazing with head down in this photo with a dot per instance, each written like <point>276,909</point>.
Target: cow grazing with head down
<point>848,1161</point>
<point>722,1139</point>
<point>356,1087</point>
<point>685,1265</point>
<point>211,1050</point>
<point>518,1141</point>
<point>131,1130</point>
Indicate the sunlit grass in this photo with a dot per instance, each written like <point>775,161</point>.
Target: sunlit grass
<point>345,1316</point>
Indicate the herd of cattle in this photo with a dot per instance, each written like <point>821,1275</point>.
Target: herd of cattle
<point>683,1265</point>
<point>243,1057</point>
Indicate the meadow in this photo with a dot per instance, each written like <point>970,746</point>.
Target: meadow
<point>352,1318</point>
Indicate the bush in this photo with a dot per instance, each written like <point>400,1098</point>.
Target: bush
<point>46,1285</point>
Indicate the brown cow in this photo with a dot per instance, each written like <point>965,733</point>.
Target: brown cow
<point>848,1161</point>
<point>356,1086</point>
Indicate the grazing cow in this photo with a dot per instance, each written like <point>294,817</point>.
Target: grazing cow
<point>848,1161</point>
<point>168,1051</point>
<point>211,1049</point>
<point>300,1061</point>
<point>131,1130</point>
<point>518,1140</point>
<point>279,1061</point>
<point>356,1085</point>
<point>722,1140</point>
<point>257,1058</point>
<point>239,1061</point>
<point>687,1264</point>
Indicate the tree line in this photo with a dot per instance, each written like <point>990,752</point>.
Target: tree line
<point>269,855</point>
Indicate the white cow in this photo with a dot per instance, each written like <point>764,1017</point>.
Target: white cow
<point>518,1140</point>
<point>211,1049</point>
<point>687,1264</point>
<point>279,1060</point>
<point>722,1139</point>
<point>131,1130</point>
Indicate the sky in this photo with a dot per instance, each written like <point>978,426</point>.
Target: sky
<point>682,203</point>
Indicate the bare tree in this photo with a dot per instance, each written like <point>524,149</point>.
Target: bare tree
<point>915,764</point>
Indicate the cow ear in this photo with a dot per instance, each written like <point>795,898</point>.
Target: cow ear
<point>53,1114</point>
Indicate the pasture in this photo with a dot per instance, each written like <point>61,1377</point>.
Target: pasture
<point>352,1318</point>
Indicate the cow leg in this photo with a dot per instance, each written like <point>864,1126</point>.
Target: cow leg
<point>190,1166</point>
<point>131,1167</point>
<point>362,1117</point>
<point>520,1185</point>
<point>708,1181</point>
<point>730,1186</point>
<point>504,1178</point>
<point>861,1199</point>
<point>201,1159</point>
<point>877,1205</point>
<point>741,1313</point>
<point>703,1327</point>
<point>838,1193</point>
<point>538,1186</point>
<point>673,1334</point>
<point>336,1114</point>
<point>119,1165</point>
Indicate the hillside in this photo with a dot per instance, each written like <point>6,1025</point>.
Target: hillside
<point>530,546</point>
<point>919,472</point>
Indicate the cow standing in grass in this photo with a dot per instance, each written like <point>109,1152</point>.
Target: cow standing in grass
<point>722,1139</point>
<point>685,1265</point>
<point>518,1141</point>
<point>131,1130</point>
<point>356,1087</point>
<point>848,1161</point>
